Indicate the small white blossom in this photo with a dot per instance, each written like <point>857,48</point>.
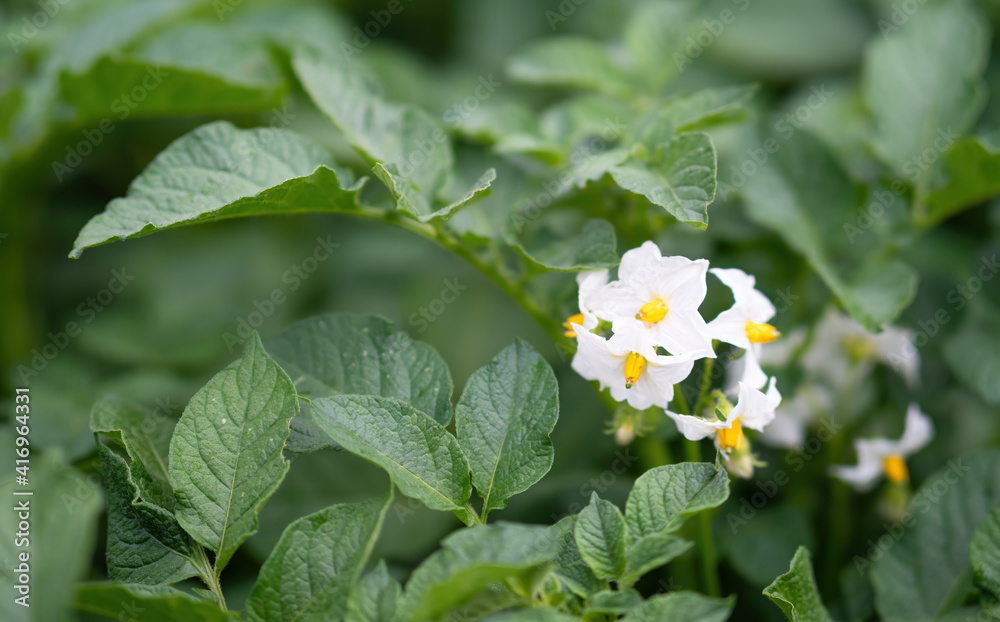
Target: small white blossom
<point>590,284</point>
<point>744,325</point>
<point>753,410</point>
<point>654,303</point>
<point>882,456</point>
<point>640,380</point>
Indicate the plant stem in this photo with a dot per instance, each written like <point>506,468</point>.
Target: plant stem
<point>475,517</point>
<point>209,575</point>
<point>706,382</point>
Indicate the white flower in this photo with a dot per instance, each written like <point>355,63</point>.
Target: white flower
<point>744,325</point>
<point>640,380</point>
<point>655,302</point>
<point>881,456</point>
<point>753,410</point>
<point>840,341</point>
<point>590,284</point>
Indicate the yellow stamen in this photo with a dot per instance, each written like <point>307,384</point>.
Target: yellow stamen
<point>634,365</point>
<point>652,312</point>
<point>895,469</point>
<point>761,333</point>
<point>573,319</point>
<point>731,438</point>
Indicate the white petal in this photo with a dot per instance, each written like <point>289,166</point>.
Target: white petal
<point>730,326</point>
<point>681,282</point>
<point>683,331</point>
<point>862,477</point>
<point>748,299</point>
<point>918,431</point>
<point>894,347</point>
<point>696,428</point>
<point>632,335</point>
<point>591,284</point>
<point>755,409</point>
<point>753,375</point>
<point>594,361</point>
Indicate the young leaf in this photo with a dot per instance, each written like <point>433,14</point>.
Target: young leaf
<point>681,177</point>
<point>225,456</point>
<point>338,353</point>
<point>471,560</point>
<point>316,562</point>
<point>600,536</point>
<point>651,552</point>
<point>146,438</point>
<point>570,62</point>
<point>682,607</point>
<point>796,592</point>
<point>984,553</point>
<point>503,423</point>
<point>218,171</point>
<point>615,603</point>
<point>63,514</point>
<point>375,597</point>
<point>663,497</point>
<point>914,577</point>
<point>133,554</point>
<point>421,457</point>
<point>144,603</point>
<point>570,568</point>
<point>783,197</point>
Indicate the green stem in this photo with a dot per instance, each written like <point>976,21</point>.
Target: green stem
<point>706,382</point>
<point>706,544</point>
<point>208,575</point>
<point>475,516</point>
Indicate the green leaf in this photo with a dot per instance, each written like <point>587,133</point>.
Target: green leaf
<point>570,568</point>
<point>134,555</point>
<point>682,607</point>
<point>923,83</point>
<point>974,177</point>
<point>681,177</point>
<point>914,577</point>
<point>375,597</point>
<point>531,615</point>
<point>759,549</point>
<point>473,559</point>
<point>225,455</point>
<point>651,552</point>
<point>569,62</point>
<point>337,353</point>
<point>696,111</point>
<point>408,149</point>
<point>796,592</point>
<point>600,536</point>
<point>618,602</point>
<point>984,553</point>
<point>783,197</point>
<point>654,35</point>
<point>316,562</point>
<point>503,421</point>
<point>973,352</point>
<point>592,248</point>
<point>421,457</point>
<point>63,508</point>
<point>663,497</point>
<point>216,172</point>
<point>145,603</point>
<point>196,68</point>
<point>145,436</point>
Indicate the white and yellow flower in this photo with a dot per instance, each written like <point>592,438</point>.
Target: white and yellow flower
<point>641,379</point>
<point>882,457</point>
<point>590,284</point>
<point>654,303</point>
<point>744,325</point>
<point>754,409</point>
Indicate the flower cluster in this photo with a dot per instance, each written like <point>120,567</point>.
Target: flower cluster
<point>657,333</point>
